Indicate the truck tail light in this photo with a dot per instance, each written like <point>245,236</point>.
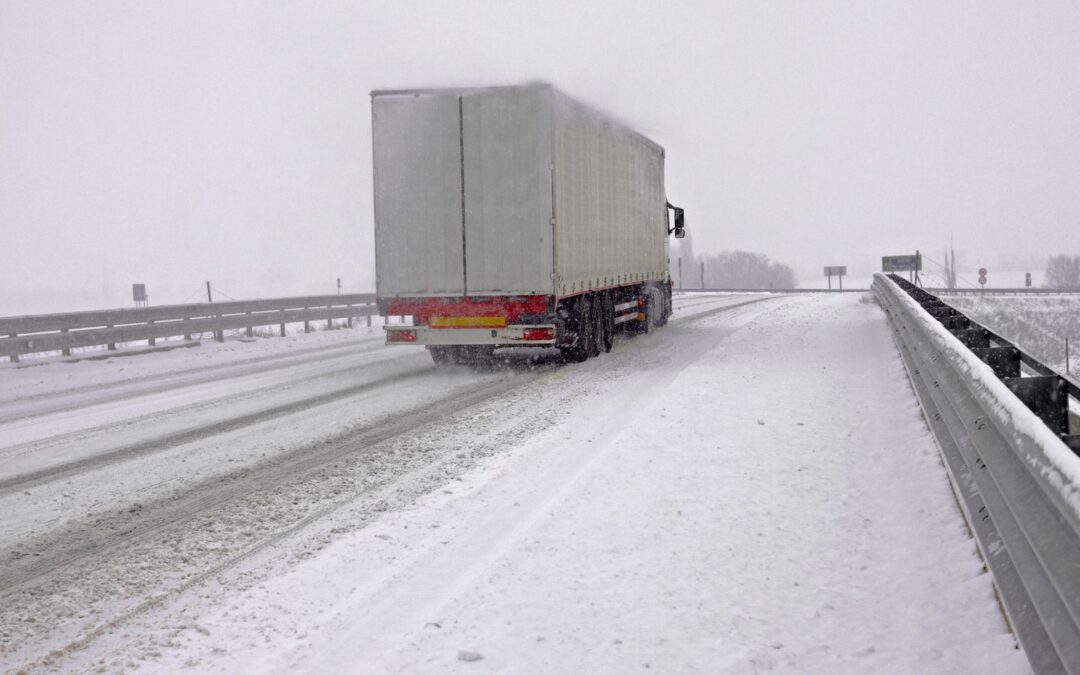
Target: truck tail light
<point>641,302</point>
<point>401,336</point>
<point>539,334</point>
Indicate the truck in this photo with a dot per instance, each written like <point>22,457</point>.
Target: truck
<point>516,216</point>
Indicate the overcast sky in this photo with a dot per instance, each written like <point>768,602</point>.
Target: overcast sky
<point>171,143</point>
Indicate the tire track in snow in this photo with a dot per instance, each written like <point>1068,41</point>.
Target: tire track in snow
<point>157,444</point>
<point>114,551</point>
<point>38,405</point>
<point>124,541</point>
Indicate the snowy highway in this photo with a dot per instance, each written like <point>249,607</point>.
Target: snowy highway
<point>750,488</point>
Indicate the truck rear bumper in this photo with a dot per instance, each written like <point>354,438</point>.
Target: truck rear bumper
<point>539,335</point>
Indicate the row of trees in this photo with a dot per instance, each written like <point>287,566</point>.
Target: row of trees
<point>1063,271</point>
<point>736,269</point>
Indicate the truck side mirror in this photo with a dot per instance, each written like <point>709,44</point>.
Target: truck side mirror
<point>680,224</point>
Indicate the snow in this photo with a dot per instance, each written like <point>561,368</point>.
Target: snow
<point>1038,323</point>
<point>752,490</point>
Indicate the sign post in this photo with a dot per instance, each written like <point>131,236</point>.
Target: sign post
<point>838,271</point>
<point>982,277</point>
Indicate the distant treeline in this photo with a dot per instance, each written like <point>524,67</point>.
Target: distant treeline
<point>1062,271</point>
<point>737,269</point>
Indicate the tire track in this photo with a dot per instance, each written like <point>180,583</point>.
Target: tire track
<point>161,382</point>
<point>147,554</point>
<point>287,491</point>
<point>157,444</point>
<point>254,390</point>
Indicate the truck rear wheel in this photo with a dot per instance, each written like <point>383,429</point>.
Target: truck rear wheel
<point>597,322</point>
<point>442,356</point>
<point>607,308</point>
<point>462,355</point>
<point>582,324</point>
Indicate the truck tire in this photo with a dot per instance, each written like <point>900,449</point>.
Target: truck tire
<point>582,325</point>
<point>442,356</point>
<point>607,306</point>
<point>476,355</point>
<point>597,322</point>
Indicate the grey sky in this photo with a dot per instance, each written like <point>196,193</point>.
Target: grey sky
<point>171,143</point>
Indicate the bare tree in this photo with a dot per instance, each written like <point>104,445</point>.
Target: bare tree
<point>1063,271</point>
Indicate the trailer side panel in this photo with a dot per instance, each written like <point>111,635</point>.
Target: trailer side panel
<point>610,209</point>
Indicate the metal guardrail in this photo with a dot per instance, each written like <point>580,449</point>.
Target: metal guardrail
<point>1004,291</point>
<point>771,290</point>
<point>1009,443</point>
<point>940,291</point>
<point>64,332</point>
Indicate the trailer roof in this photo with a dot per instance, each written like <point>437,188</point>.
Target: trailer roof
<point>461,91</point>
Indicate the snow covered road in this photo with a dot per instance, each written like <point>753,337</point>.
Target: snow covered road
<point>749,488</point>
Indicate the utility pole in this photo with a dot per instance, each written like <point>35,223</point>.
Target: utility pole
<point>680,273</point>
<point>703,274</point>
<point>339,285</point>
<point>209,295</point>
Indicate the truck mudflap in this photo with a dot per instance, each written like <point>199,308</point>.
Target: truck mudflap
<point>539,335</point>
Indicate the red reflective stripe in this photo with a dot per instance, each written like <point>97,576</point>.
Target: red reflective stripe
<point>401,336</point>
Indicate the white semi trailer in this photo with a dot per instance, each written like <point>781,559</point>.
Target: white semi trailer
<point>508,216</point>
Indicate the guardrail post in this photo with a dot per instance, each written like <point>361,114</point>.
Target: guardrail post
<point>187,336</point>
<point>973,338</point>
<point>955,322</point>
<point>1047,396</point>
<point>250,332</point>
<point>1004,360</point>
<point>14,357</point>
<point>152,341</point>
<point>66,351</point>
<point>369,318</point>
<point>112,345</point>
<point>329,322</point>
<point>307,324</point>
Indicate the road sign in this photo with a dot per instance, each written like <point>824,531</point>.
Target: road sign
<point>1027,279</point>
<point>982,271</point>
<point>138,292</point>
<point>901,263</point>
<point>837,271</point>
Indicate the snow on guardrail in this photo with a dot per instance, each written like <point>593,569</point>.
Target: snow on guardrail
<point>1017,479</point>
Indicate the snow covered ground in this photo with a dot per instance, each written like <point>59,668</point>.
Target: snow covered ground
<point>1037,323</point>
<point>750,488</point>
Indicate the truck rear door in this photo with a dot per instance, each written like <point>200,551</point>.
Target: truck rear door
<point>418,195</point>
